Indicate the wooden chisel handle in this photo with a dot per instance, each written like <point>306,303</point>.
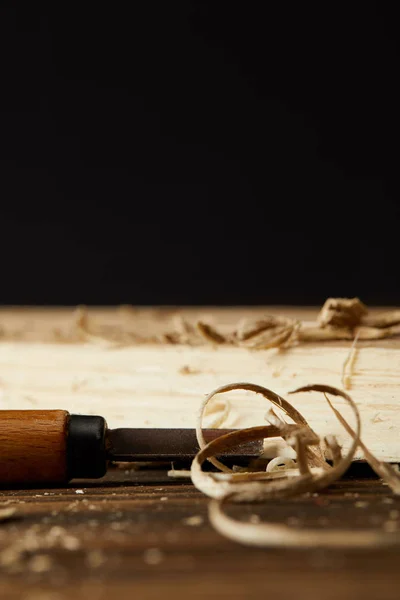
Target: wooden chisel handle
<point>50,446</point>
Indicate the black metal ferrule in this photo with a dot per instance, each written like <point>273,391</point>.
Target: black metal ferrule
<point>86,447</point>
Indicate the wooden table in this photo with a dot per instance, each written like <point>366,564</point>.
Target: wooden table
<point>129,537</point>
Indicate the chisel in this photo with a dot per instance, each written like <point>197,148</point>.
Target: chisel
<point>53,446</point>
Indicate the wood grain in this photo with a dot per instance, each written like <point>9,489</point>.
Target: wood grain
<point>33,446</point>
<point>129,538</point>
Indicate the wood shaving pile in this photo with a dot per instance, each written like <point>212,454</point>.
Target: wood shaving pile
<point>309,474</point>
<point>339,319</point>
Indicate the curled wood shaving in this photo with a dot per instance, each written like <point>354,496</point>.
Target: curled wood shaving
<point>221,416</point>
<point>280,535</point>
<point>298,478</point>
<point>315,454</point>
<point>342,312</point>
<point>258,486</point>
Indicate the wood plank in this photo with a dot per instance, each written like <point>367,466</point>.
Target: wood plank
<point>155,385</point>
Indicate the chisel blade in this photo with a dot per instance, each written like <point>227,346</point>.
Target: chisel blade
<point>137,445</point>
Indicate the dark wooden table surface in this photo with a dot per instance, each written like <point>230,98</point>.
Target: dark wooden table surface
<point>142,535</point>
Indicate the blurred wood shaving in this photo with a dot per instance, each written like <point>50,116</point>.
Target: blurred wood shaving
<point>209,333</point>
<point>342,312</point>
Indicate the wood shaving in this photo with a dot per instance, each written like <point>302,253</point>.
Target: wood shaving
<point>315,454</point>
<point>298,478</point>
<point>248,329</point>
<point>342,312</point>
<point>348,365</point>
<point>282,535</point>
<point>327,334</point>
<point>221,415</point>
<point>386,319</point>
<point>375,333</point>
<point>209,333</point>
<point>333,448</point>
<point>270,332</point>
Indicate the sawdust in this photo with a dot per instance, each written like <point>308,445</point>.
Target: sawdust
<point>29,551</point>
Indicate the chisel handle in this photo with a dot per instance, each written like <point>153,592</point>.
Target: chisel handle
<point>50,446</point>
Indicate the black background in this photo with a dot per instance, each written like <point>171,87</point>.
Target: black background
<point>181,152</point>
